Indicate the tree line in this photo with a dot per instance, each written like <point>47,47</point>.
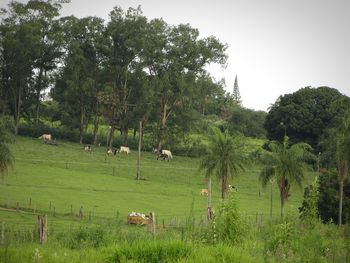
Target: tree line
<point>117,72</point>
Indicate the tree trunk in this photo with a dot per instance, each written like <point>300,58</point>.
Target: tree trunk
<point>138,172</point>
<point>125,132</point>
<point>341,191</point>
<point>96,121</point>
<point>162,125</point>
<point>209,210</point>
<point>18,100</point>
<point>282,205</point>
<point>81,128</point>
<point>111,136</point>
<point>223,188</point>
<point>38,89</point>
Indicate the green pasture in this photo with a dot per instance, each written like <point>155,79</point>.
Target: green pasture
<point>58,180</point>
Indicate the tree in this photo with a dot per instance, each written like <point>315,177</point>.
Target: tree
<point>286,163</point>
<point>6,137</point>
<point>235,93</point>
<point>342,156</point>
<point>175,58</point>
<point>305,115</point>
<point>224,158</point>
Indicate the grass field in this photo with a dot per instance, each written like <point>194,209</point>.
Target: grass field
<point>65,177</point>
<point>58,180</point>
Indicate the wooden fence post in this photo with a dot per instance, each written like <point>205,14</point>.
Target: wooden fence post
<point>2,240</point>
<point>42,228</point>
<point>81,212</point>
<point>153,222</point>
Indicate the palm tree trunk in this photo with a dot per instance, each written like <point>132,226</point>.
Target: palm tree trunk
<point>341,188</point>
<point>282,205</point>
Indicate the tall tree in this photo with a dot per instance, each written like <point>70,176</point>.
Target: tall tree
<point>126,32</point>
<point>235,93</point>
<point>286,163</point>
<point>305,115</point>
<point>175,58</point>
<point>224,159</point>
<point>6,137</point>
<point>342,157</point>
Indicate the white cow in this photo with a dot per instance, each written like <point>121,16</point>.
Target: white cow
<point>124,149</point>
<point>109,151</point>
<point>167,153</point>
<point>204,191</point>
<point>46,137</point>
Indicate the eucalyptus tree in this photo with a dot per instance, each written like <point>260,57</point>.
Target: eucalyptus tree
<point>225,158</point>
<point>30,45</point>
<point>175,57</point>
<point>286,164</point>
<point>125,30</point>
<point>77,86</point>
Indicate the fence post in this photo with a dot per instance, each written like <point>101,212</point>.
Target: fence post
<point>42,228</point>
<point>153,222</point>
<point>81,212</point>
<point>2,240</point>
<point>30,202</point>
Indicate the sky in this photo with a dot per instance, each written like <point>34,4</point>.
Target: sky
<point>275,47</point>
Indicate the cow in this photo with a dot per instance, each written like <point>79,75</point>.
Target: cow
<point>163,157</point>
<point>109,151</point>
<point>204,191</point>
<point>165,154</point>
<point>46,137</point>
<point>231,188</point>
<point>87,148</point>
<point>124,149</point>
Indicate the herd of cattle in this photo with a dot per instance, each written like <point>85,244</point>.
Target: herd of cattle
<point>161,154</point>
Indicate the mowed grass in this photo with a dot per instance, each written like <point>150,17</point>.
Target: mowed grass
<point>67,177</point>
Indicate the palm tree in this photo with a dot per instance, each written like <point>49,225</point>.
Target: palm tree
<point>285,163</point>
<point>342,156</point>
<point>224,158</point>
<point>6,136</point>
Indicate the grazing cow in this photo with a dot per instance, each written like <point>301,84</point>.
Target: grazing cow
<point>124,149</point>
<point>163,157</point>
<point>165,154</point>
<point>109,151</point>
<point>204,191</point>
<point>87,148</point>
<point>232,188</point>
<point>46,137</point>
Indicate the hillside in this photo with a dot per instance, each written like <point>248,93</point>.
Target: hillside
<point>67,177</point>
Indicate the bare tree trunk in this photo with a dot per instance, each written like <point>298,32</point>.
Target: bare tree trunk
<point>125,132</point>
<point>18,102</point>
<point>341,193</point>
<point>282,205</point>
<point>162,125</point>
<point>96,121</point>
<point>111,136</point>
<point>81,128</point>
<point>38,89</point>
<point>138,172</point>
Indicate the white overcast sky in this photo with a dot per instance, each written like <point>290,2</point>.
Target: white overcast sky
<point>275,46</point>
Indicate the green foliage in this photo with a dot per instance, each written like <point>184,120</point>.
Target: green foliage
<point>95,236</point>
<point>328,203</point>
<point>224,158</point>
<point>287,164</point>
<point>248,122</point>
<point>309,209</point>
<point>230,227</point>
<point>305,115</point>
